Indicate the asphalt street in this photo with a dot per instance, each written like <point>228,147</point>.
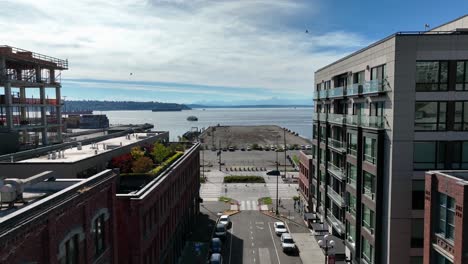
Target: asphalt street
<point>252,240</point>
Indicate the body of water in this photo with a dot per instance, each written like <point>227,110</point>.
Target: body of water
<point>296,119</point>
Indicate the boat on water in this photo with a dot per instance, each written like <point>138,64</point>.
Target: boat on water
<point>192,118</point>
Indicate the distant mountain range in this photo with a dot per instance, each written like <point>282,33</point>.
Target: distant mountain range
<point>95,105</point>
<point>119,105</point>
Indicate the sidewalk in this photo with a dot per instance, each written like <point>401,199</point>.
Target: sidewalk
<point>309,250</point>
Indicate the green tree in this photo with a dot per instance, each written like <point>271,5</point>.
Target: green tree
<point>142,165</point>
<point>160,153</point>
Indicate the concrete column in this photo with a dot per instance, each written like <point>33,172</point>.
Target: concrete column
<point>43,115</point>
<point>52,76</point>
<point>38,74</point>
<point>2,69</point>
<point>8,110</point>
<point>18,74</point>
<point>58,111</point>
<point>22,101</point>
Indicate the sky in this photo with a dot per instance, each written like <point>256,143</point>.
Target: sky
<point>200,51</point>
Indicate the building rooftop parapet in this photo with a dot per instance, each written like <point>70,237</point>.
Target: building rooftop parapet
<point>43,196</point>
<point>461,175</point>
<point>25,55</point>
<point>150,183</point>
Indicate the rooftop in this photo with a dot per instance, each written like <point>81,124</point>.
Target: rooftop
<point>74,154</point>
<point>461,175</point>
<point>42,194</point>
<point>21,55</point>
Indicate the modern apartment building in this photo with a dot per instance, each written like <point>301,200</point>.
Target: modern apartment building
<point>31,104</point>
<point>384,115</point>
<point>445,221</point>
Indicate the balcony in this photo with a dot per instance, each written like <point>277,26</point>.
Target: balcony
<point>323,94</point>
<point>337,119</point>
<point>352,152</point>
<point>336,144</point>
<point>336,197</point>
<point>374,86</point>
<point>322,117</point>
<point>336,171</point>
<point>337,224</point>
<point>354,89</point>
<point>369,193</point>
<point>365,121</point>
<point>336,92</point>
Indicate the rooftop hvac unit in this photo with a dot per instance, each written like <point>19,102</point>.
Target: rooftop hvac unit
<point>11,190</point>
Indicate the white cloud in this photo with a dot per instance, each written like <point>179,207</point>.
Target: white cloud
<point>226,43</point>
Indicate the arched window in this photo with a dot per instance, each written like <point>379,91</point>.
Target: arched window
<point>98,230</point>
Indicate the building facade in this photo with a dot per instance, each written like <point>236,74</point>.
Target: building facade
<point>445,224</point>
<point>25,121</point>
<point>383,116</point>
<point>154,220</point>
<point>306,171</point>
<point>74,222</point>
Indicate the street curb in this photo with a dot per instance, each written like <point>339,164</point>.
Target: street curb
<point>229,212</point>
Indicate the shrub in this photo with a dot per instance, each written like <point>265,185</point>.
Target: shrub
<point>166,163</point>
<point>143,164</point>
<point>265,200</point>
<point>137,153</point>
<point>243,179</point>
<point>122,162</point>
<point>160,153</point>
<point>255,146</point>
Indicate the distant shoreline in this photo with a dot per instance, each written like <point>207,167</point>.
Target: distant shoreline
<point>248,106</point>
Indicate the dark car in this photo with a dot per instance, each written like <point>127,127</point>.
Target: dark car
<point>216,245</point>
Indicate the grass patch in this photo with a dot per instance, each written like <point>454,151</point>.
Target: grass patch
<point>243,179</point>
<point>225,199</point>
<point>265,200</point>
<point>295,159</point>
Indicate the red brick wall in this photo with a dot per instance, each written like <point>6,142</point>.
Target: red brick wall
<point>438,183</point>
<point>159,211</point>
<point>38,240</point>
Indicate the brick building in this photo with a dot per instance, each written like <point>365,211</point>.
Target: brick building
<point>155,215</point>
<point>63,221</point>
<point>445,234</point>
<point>305,172</point>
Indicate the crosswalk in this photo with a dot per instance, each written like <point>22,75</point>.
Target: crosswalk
<point>210,191</point>
<point>284,190</point>
<point>249,205</point>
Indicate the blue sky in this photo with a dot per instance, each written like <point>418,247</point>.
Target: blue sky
<point>193,51</point>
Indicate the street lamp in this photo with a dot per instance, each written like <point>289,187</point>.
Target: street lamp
<point>327,243</point>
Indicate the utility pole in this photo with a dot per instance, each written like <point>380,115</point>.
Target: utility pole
<point>277,176</point>
<point>285,149</point>
<point>219,154</point>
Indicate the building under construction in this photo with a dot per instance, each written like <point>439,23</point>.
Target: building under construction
<point>30,105</point>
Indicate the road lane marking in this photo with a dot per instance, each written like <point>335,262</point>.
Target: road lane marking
<point>264,256</point>
<point>274,244</point>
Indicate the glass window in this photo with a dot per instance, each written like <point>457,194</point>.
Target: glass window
<point>430,116</point>
<point>439,259</point>
<point>99,236</point>
<point>431,76</point>
<point>429,155</point>
<point>367,251</point>
<point>359,77</point>
<point>368,218</point>
<point>71,250</point>
<point>418,194</point>
<point>352,174</point>
<point>446,223</point>
<point>350,232</point>
<point>351,205</point>
<point>417,233</point>
<point>352,144</point>
<point>379,72</point>
<point>461,116</point>
<point>368,185</point>
<point>370,150</point>
<point>314,131</point>
<point>462,76</point>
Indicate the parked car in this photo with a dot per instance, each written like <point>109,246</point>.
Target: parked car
<point>280,228</point>
<point>287,243</point>
<point>216,245</point>
<point>216,258</point>
<point>220,231</point>
<point>308,147</point>
<point>303,147</point>
<point>249,148</point>
<point>224,219</point>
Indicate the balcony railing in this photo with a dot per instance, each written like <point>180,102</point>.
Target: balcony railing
<point>335,170</point>
<point>336,197</point>
<point>369,193</point>
<point>336,92</point>
<point>337,224</point>
<point>374,86</point>
<point>336,118</point>
<point>365,121</point>
<point>336,144</point>
<point>323,94</point>
<point>322,117</point>
<point>354,89</point>
<point>352,152</point>
<point>370,159</point>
